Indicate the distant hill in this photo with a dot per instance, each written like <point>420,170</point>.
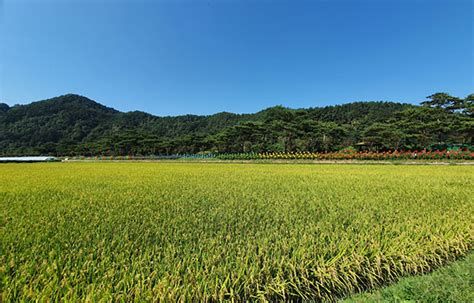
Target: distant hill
<point>73,124</point>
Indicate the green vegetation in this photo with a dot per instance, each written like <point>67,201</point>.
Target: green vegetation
<point>353,155</point>
<point>453,283</point>
<point>176,231</point>
<point>73,125</point>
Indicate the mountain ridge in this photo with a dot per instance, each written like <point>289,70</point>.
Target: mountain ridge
<point>72,97</point>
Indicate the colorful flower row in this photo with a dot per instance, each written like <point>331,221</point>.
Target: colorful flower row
<point>339,155</point>
<point>352,155</point>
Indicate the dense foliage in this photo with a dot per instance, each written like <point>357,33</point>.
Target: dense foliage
<point>75,125</point>
<point>154,232</point>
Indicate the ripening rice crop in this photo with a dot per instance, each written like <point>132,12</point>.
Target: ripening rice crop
<point>197,232</point>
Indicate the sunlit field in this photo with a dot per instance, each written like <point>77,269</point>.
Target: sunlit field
<point>201,231</point>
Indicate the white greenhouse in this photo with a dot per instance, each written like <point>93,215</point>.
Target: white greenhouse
<point>28,159</point>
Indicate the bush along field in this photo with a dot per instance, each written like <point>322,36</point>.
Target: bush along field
<point>209,232</point>
<point>354,155</point>
<point>339,155</point>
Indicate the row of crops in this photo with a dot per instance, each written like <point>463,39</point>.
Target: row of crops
<point>192,232</point>
<point>340,155</point>
<point>353,155</point>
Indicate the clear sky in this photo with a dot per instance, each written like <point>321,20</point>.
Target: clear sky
<point>202,57</point>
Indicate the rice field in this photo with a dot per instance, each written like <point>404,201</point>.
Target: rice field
<point>212,232</point>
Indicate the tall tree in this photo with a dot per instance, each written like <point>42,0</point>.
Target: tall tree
<point>468,105</point>
<point>444,101</point>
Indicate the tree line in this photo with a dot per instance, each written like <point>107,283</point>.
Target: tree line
<point>74,125</point>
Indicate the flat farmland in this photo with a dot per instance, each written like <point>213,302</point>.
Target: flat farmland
<point>210,232</point>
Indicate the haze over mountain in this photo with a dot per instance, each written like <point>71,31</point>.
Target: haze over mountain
<point>75,125</point>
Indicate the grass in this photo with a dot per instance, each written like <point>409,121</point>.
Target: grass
<point>182,231</point>
<point>453,283</point>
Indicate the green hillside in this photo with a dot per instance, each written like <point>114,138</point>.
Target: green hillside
<point>73,124</point>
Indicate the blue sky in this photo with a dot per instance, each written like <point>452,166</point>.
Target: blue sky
<point>202,57</point>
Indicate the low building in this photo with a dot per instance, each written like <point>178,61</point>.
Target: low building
<point>28,159</point>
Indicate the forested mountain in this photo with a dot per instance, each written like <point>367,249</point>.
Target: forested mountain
<point>76,125</point>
